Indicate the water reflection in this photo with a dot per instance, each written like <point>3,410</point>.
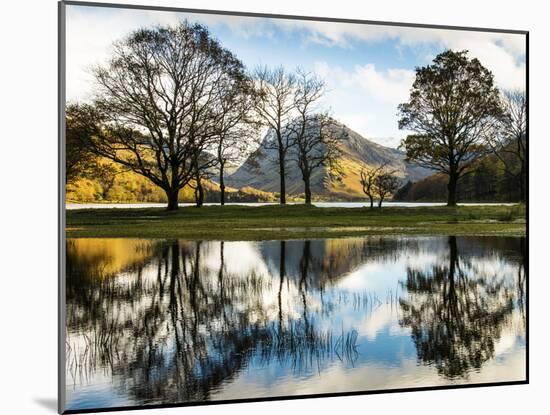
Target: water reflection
<point>155,321</point>
<point>455,319</point>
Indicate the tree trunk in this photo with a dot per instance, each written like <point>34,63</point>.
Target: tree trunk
<point>172,196</point>
<point>380,203</point>
<point>307,190</point>
<point>199,193</point>
<point>222,186</point>
<point>174,270</point>
<point>282,178</point>
<point>522,179</point>
<point>451,295</point>
<point>371,202</point>
<point>451,189</point>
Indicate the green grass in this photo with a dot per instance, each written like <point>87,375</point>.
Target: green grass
<point>294,222</point>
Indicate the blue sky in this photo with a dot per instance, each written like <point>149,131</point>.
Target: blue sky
<point>368,69</point>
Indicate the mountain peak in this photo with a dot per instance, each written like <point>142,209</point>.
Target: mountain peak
<point>260,169</point>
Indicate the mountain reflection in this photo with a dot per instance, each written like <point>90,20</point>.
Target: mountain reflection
<point>179,321</point>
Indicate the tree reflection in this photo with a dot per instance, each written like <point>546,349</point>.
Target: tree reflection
<point>521,280</point>
<point>456,316</point>
<point>175,321</point>
<point>176,327</point>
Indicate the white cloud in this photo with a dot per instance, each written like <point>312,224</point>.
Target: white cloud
<point>89,39</point>
<point>509,73</point>
<point>364,96</point>
<point>392,85</point>
<point>502,53</point>
<point>90,36</point>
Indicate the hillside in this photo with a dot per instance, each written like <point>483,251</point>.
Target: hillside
<point>256,180</point>
<point>260,170</point>
<point>115,185</point>
<point>487,182</point>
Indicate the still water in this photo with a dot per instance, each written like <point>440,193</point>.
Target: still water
<point>173,321</point>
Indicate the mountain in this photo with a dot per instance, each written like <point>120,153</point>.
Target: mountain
<point>260,170</point>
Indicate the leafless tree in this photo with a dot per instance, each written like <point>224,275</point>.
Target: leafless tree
<point>318,145</point>
<point>368,181</point>
<point>275,104</point>
<point>237,130</point>
<point>379,182</point>
<point>315,135</point>
<point>202,162</point>
<point>386,184</point>
<point>158,97</point>
<point>509,139</point>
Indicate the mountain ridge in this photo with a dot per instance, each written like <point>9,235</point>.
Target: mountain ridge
<point>260,170</point>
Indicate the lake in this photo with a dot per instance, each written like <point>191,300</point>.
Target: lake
<point>175,321</point>
<point>73,206</point>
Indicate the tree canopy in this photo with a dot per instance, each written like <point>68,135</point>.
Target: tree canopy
<point>160,99</point>
<point>453,105</point>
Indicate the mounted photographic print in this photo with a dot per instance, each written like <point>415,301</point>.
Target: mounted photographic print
<point>260,207</point>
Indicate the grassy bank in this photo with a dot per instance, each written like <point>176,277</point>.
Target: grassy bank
<point>294,222</point>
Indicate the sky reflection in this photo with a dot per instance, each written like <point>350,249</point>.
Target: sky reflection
<point>154,321</point>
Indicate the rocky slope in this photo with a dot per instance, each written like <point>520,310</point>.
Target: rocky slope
<point>260,170</point>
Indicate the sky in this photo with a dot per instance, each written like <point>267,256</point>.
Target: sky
<point>369,69</point>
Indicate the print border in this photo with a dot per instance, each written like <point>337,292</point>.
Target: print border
<point>61,205</point>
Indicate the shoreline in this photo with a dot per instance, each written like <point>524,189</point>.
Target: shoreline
<point>141,205</point>
<point>294,222</point>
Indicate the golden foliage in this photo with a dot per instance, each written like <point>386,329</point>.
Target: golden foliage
<point>111,183</point>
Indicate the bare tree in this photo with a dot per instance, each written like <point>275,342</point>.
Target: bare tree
<point>158,96</point>
<point>318,145</point>
<point>202,162</point>
<point>237,130</point>
<point>368,181</point>
<point>233,134</point>
<point>386,184</point>
<point>315,135</point>
<point>509,139</point>
<point>275,104</point>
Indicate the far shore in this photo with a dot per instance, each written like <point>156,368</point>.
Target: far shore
<point>322,204</point>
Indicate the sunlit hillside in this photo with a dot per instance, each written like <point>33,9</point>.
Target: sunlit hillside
<point>119,186</point>
<point>357,153</point>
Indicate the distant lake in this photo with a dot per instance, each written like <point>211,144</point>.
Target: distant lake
<point>175,321</point>
<point>71,206</point>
